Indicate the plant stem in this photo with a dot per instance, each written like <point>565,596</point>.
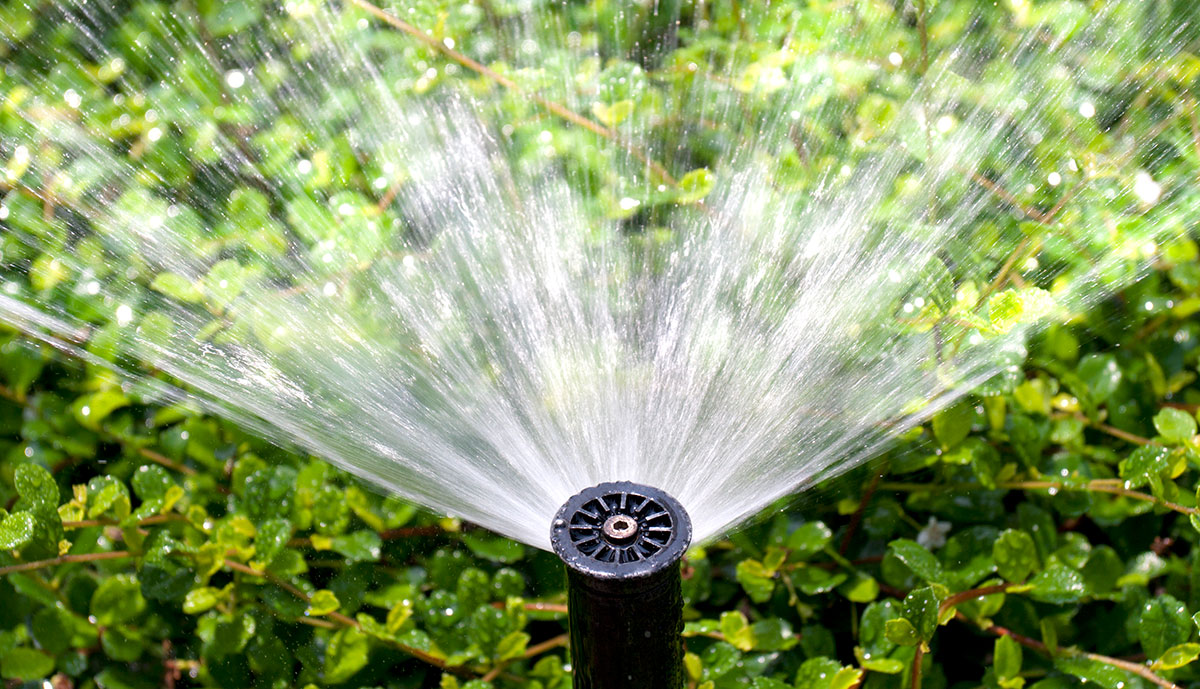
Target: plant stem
<point>62,560</point>
<point>1110,486</point>
<point>148,521</point>
<point>482,69</point>
<point>916,667</point>
<point>1100,485</point>
<point>858,514</point>
<point>1128,666</point>
<point>964,596</point>
<point>335,616</point>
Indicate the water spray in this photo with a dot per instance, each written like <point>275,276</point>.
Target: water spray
<point>622,543</point>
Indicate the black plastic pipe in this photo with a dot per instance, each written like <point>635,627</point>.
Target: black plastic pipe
<point>622,543</point>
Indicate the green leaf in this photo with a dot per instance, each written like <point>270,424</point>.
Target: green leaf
<point>201,600</point>
<point>107,497</point>
<point>47,272</point>
<point>151,481</point>
<point>1015,555</point>
<point>360,546</point>
<point>1057,584</point>
<point>322,602</point>
<point>36,486</point>
<point>512,646</point>
<point>1175,425</point>
<point>920,608</point>
<point>1164,623</point>
<point>860,588</point>
<point>1007,657</point>
<point>346,655</point>
<point>1101,374</point>
<point>1177,656</point>
<point>1147,464</point>
<point>16,531</point>
<point>753,577</point>
<point>772,634</point>
<point>25,664</point>
<point>494,548</point>
<point>736,630</point>
<point>953,424</point>
<point>92,409</point>
<point>901,632</point>
<point>695,185</point>
<point>809,539</point>
<point>225,281</point>
<point>177,287</point>
<point>826,673</point>
<point>918,559</point>
<point>612,115</point>
<point>118,599</point>
<point>1102,674</point>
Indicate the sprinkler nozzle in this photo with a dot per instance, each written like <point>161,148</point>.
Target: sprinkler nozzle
<point>622,543</point>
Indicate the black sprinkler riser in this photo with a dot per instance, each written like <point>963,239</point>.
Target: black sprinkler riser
<point>622,543</point>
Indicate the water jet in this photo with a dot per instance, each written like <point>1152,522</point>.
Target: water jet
<point>622,543</point>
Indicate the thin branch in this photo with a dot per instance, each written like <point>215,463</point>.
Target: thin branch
<point>482,69</point>
<point>159,458</point>
<point>916,667</point>
<point>532,651</point>
<point>335,616</point>
<point>538,649</point>
<point>964,596</point>
<point>1135,668</point>
<point>1101,486</point>
<point>148,521</point>
<point>858,513</point>
<point>64,559</point>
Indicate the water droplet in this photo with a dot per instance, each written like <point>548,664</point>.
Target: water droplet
<point>124,314</point>
<point>1146,188</point>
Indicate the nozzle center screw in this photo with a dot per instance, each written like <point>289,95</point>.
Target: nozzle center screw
<point>620,528</point>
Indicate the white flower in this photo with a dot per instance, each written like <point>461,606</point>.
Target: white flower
<point>933,536</point>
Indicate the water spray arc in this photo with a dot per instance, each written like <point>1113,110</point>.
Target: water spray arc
<point>622,543</point>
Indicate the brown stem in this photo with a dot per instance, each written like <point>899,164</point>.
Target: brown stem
<point>1007,197</point>
<point>916,667</point>
<point>335,616</point>
<point>148,521</point>
<point>532,651</point>
<point>1123,435</point>
<point>858,514</point>
<point>1136,668</point>
<point>388,535</point>
<point>538,649</point>
<point>1100,486</point>
<point>540,607</point>
<point>923,32</point>
<point>482,69</point>
<point>972,594</point>
<point>62,560</point>
<point>159,458</point>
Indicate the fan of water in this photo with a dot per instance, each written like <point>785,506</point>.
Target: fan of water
<point>320,228</point>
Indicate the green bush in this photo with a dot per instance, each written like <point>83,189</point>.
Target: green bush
<point>1039,533</point>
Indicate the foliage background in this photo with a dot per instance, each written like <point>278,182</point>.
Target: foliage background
<point>1040,533</point>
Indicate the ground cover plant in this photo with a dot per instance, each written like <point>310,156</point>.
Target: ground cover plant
<point>1039,533</point>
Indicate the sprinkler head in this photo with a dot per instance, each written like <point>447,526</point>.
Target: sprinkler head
<point>621,531</point>
<point>622,543</point>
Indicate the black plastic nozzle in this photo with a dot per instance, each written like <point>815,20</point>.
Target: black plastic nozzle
<point>622,543</point>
